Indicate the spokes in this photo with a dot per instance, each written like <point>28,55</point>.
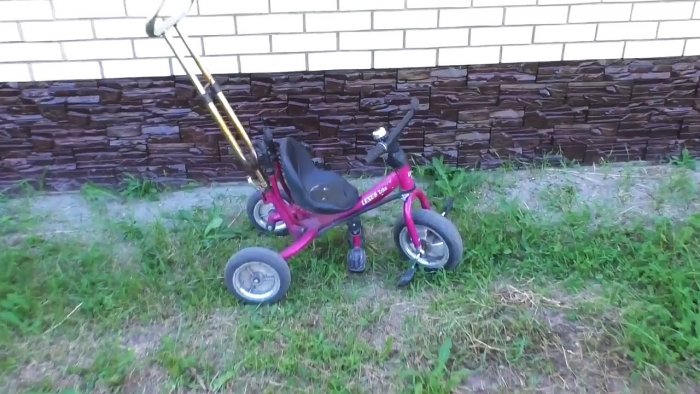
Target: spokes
<point>435,250</point>
<point>422,232</point>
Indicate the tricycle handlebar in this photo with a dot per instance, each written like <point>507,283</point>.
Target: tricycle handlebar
<point>384,145</point>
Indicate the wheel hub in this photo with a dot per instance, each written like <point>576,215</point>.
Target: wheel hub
<point>433,252</point>
<point>263,212</point>
<point>256,281</point>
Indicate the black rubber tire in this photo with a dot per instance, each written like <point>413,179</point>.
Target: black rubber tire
<point>252,202</point>
<point>267,257</point>
<point>439,224</point>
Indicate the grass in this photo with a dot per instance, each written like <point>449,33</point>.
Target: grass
<point>590,302</point>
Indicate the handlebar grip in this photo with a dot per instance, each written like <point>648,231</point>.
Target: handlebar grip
<point>155,31</point>
<point>399,127</point>
<point>406,119</point>
<point>375,152</point>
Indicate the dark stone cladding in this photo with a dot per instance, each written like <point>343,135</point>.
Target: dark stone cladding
<point>63,134</point>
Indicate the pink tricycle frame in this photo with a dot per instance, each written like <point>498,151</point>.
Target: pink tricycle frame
<point>305,226</point>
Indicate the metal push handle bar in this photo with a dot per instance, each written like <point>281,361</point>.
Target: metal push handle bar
<point>209,92</point>
<point>156,31</point>
<point>383,146</point>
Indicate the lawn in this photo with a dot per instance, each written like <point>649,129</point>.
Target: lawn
<point>574,279</point>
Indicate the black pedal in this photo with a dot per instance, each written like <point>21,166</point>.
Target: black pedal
<point>357,260</point>
<point>407,277</point>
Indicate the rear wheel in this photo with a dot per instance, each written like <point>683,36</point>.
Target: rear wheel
<point>439,238</point>
<point>257,275</point>
<point>258,212</point>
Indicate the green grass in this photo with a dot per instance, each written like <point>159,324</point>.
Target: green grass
<point>134,187</point>
<point>533,303</point>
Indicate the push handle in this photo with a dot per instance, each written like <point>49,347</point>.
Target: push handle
<point>383,146</point>
<point>156,31</point>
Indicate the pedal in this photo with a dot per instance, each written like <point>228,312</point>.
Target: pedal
<point>407,277</point>
<point>357,260</point>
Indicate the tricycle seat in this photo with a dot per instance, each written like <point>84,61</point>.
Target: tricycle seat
<point>314,189</point>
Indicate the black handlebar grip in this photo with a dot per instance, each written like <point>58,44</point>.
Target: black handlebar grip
<point>399,127</point>
<point>375,152</point>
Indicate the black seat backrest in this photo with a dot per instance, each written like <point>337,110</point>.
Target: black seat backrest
<point>296,160</point>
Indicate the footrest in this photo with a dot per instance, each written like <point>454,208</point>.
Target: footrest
<point>357,260</point>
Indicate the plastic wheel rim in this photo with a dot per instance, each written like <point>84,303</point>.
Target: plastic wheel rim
<point>255,275</point>
<point>261,218</point>
<point>436,251</point>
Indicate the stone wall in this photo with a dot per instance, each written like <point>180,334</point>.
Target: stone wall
<point>63,134</point>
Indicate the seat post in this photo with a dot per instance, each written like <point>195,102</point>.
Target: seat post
<point>355,232</point>
<point>357,257</point>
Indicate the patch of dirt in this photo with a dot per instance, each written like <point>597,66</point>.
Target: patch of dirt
<point>147,380</point>
<point>144,340</point>
<point>627,191</point>
<point>581,353</point>
<point>49,360</point>
<point>393,308</point>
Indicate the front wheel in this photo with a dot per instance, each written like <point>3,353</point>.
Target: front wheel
<point>439,238</point>
<point>257,275</point>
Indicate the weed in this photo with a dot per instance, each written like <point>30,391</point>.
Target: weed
<point>685,160</point>
<point>438,379</point>
<point>561,198</point>
<point>446,181</point>
<point>679,188</point>
<point>625,185</point>
<point>185,370</point>
<point>139,188</point>
<point>93,193</point>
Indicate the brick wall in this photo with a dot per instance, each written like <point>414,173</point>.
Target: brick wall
<point>62,134</point>
<point>44,40</point>
<point>86,96</point>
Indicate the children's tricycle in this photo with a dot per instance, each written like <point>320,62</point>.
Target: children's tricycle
<point>296,198</point>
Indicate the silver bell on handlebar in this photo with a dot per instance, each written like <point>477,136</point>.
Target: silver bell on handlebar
<point>379,134</point>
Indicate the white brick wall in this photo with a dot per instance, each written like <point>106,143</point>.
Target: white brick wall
<point>56,30</point>
<point>73,39</point>
<point>340,60</point>
<point>98,49</point>
<point>371,40</point>
<point>239,44</point>
<point>272,23</point>
<point>66,70</point>
<point>405,19</point>
<point>9,31</point>
<point>25,10</point>
<point>71,9</point>
<point>430,38</point>
<point>338,21</point>
<point>304,42</point>
<point>471,17</point>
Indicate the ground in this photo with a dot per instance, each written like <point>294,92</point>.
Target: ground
<point>575,279</point>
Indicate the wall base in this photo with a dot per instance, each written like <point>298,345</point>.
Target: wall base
<point>62,135</point>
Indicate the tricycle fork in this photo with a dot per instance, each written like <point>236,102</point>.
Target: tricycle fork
<point>408,214</point>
